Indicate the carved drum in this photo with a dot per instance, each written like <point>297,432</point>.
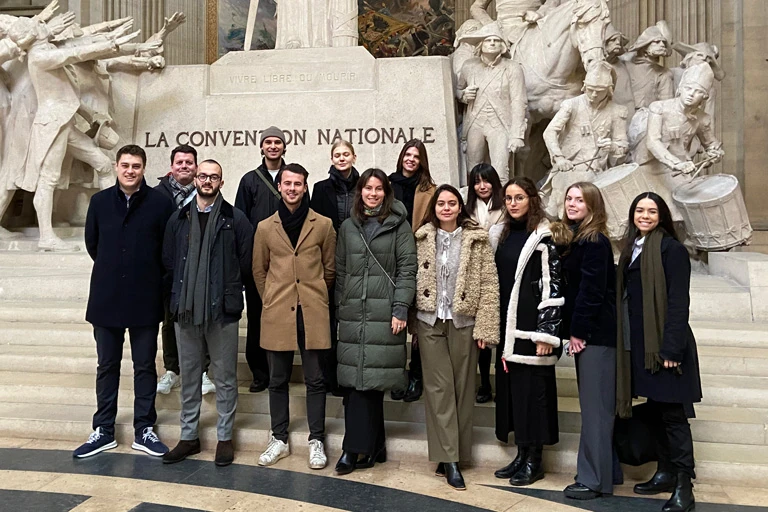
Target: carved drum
<point>620,186</point>
<point>714,212</point>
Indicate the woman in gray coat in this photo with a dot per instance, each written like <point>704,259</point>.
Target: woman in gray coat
<point>375,285</point>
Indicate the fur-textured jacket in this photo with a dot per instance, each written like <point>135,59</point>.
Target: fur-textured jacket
<point>539,267</point>
<point>477,285</point>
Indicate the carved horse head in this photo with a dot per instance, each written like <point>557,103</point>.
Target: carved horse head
<point>590,18</point>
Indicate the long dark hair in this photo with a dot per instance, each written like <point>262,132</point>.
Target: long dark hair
<point>535,209</point>
<point>425,181</point>
<point>665,221</point>
<point>489,174</point>
<point>358,207</point>
<point>431,218</point>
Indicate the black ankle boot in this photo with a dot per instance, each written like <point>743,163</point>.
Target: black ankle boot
<point>682,497</point>
<point>484,394</point>
<point>531,471</point>
<point>346,463</point>
<point>453,476</point>
<point>415,388</point>
<point>513,467</point>
<point>662,481</point>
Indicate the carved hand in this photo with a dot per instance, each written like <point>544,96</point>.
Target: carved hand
<point>716,154</point>
<point>122,29</point>
<point>61,22</point>
<point>532,16</point>
<point>149,46</point>
<point>177,19</point>
<point>49,11</point>
<point>562,164</point>
<point>515,145</point>
<point>470,93</point>
<point>686,167</point>
<point>604,143</point>
<point>119,41</point>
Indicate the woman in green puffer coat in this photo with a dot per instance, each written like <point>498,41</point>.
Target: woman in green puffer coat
<point>375,285</point>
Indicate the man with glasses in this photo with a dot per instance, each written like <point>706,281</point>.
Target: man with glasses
<point>207,255</point>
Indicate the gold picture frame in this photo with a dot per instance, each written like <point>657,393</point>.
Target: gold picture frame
<point>211,31</point>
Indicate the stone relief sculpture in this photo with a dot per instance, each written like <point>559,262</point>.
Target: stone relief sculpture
<point>587,135</point>
<point>650,79</point>
<point>493,87</point>
<point>615,45</point>
<point>672,127</point>
<point>463,52</point>
<point>513,16</point>
<point>53,131</point>
<point>696,54</point>
<point>309,23</point>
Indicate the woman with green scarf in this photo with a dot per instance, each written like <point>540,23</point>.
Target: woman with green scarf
<point>656,356</point>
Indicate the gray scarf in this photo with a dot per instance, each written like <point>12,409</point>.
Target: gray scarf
<point>194,302</point>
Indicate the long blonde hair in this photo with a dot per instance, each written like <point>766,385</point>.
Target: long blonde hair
<point>595,223</point>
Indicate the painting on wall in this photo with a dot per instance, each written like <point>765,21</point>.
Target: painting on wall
<point>406,28</point>
<point>388,28</point>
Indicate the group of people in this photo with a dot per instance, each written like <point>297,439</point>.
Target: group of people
<point>345,276</point>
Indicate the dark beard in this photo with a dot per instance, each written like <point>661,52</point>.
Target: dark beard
<point>207,195</point>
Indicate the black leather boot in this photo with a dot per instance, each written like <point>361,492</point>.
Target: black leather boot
<point>682,497</point>
<point>368,460</point>
<point>531,471</point>
<point>513,467</point>
<point>415,388</point>
<point>662,481</point>
<point>440,470</point>
<point>346,463</point>
<point>453,476</point>
<point>484,394</point>
<point>397,395</point>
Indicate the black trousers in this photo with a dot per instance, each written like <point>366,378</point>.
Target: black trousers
<point>109,347</point>
<point>329,358</point>
<point>414,369</point>
<point>363,422</point>
<point>674,443</point>
<point>281,367</point>
<point>484,363</point>
<point>254,354</point>
<point>170,350</point>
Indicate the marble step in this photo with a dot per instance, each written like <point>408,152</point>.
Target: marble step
<point>712,298</point>
<point>712,424</point>
<point>719,390</point>
<point>717,463</point>
<point>79,260</point>
<point>715,359</point>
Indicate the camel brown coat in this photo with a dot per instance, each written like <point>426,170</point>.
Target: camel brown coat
<point>421,205</point>
<point>286,277</point>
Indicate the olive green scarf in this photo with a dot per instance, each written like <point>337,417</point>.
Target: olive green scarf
<point>654,287</point>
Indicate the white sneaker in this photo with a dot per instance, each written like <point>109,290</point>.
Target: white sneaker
<point>167,382</point>
<point>317,458</point>
<point>275,451</point>
<point>208,386</point>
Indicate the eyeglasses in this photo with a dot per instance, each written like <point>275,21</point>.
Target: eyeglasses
<point>213,178</point>
<point>520,198</point>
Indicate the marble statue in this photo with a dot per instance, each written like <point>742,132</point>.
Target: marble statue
<point>309,23</point>
<point>493,87</point>
<point>673,125</point>
<point>54,133</point>
<point>650,79</point>
<point>696,54</point>
<point>587,135</point>
<point>615,45</point>
<point>463,52</point>
<point>513,16</point>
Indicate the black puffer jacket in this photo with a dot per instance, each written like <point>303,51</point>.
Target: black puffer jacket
<point>534,310</point>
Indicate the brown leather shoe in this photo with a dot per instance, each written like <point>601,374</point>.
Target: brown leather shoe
<point>182,450</point>
<point>225,453</point>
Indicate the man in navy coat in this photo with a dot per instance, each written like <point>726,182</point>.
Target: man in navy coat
<point>124,232</point>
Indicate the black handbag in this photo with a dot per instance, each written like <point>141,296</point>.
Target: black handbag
<point>634,439</point>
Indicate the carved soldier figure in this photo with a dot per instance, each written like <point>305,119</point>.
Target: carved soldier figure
<point>673,125</point>
<point>513,16</point>
<point>614,46</point>
<point>696,54</point>
<point>53,130</point>
<point>587,135</point>
<point>649,78</point>
<point>493,87</point>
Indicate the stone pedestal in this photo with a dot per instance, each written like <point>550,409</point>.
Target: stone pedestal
<point>314,95</point>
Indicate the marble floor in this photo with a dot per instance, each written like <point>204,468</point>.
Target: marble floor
<point>42,475</point>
